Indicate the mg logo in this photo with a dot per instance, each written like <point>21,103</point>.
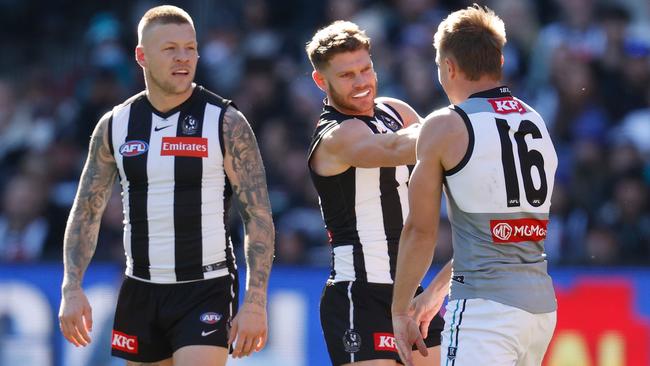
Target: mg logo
<point>502,231</point>
<point>518,230</point>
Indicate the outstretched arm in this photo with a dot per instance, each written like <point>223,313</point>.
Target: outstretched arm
<point>353,144</point>
<point>243,165</point>
<point>418,240</point>
<point>80,240</point>
<point>441,145</point>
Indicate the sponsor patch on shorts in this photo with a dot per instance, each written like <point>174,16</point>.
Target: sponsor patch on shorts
<point>210,318</point>
<point>384,342</point>
<point>124,342</point>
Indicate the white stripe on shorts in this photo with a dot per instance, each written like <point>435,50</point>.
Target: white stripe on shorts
<point>351,315</point>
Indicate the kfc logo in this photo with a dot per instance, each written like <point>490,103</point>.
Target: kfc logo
<point>518,230</point>
<point>385,342</point>
<point>507,105</point>
<point>124,342</point>
<point>196,147</point>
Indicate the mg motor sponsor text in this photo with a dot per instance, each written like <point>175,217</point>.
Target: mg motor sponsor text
<point>518,230</point>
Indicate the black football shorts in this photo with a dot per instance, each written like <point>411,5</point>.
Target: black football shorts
<point>357,322</point>
<point>152,320</point>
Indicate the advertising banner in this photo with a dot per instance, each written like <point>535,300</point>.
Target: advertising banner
<point>603,318</point>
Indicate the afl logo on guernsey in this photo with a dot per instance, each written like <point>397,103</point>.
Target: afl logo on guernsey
<point>133,148</point>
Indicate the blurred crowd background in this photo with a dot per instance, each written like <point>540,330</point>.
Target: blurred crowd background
<point>583,64</point>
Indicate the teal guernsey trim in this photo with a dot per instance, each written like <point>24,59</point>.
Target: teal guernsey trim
<point>451,327</point>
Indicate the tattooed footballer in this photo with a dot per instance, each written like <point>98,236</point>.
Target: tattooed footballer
<point>181,153</point>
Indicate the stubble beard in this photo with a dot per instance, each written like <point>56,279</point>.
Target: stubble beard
<point>340,101</point>
<point>167,87</point>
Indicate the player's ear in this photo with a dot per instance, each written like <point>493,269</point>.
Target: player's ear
<point>319,79</point>
<point>502,60</point>
<point>451,67</point>
<point>139,56</point>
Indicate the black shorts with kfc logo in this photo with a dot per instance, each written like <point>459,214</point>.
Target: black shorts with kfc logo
<point>153,320</point>
<point>357,323</point>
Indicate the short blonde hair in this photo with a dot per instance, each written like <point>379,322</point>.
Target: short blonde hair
<point>338,37</point>
<point>475,37</point>
<point>164,14</point>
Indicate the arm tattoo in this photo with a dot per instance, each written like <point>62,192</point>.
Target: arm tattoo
<point>94,190</point>
<point>246,173</point>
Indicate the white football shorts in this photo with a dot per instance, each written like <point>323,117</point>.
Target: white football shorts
<point>484,332</point>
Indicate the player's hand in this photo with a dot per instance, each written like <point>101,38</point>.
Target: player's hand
<point>249,330</point>
<point>406,334</point>
<point>425,306</point>
<point>75,317</point>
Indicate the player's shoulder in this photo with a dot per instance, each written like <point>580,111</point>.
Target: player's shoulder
<point>333,119</point>
<point>443,121</point>
<point>527,107</point>
<point>141,96</point>
<point>339,133</point>
<point>405,113</point>
<point>211,97</point>
<point>393,102</point>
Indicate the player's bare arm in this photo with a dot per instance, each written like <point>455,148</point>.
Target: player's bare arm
<point>81,233</point>
<point>243,165</point>
<point>427,304</point>
<point>408,114</point>
<point>440,132</point>
<point>248,178</point>
<point>353,144</point>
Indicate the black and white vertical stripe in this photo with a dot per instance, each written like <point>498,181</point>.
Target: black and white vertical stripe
<point>135,202</point>
<point>364,209</point>
<point>175,207</point>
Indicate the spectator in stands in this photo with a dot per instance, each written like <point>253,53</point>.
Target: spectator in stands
<point>626,215</point>
<point>24,230</point>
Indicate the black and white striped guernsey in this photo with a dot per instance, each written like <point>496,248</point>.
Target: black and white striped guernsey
<point>363,209</point>
<point>175,192</point>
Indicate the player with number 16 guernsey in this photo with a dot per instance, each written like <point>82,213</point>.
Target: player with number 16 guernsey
<point>492,155</point>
